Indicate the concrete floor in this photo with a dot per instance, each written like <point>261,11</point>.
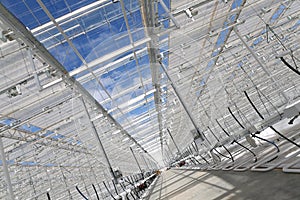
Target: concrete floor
<point>216,185</point>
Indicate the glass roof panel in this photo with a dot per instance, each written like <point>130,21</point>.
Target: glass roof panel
<point>106,47</point>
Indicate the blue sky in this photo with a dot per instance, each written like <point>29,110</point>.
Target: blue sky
<point>96,34</point>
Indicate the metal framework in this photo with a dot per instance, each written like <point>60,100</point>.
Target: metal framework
<point>92,88</point>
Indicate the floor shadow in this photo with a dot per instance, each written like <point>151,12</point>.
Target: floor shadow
<point>250,185</point>
<point>243,185</point>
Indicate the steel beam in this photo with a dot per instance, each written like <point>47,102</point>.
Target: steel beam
<point>171,136</point>
<point>145,162</point>
<point>21,31</point>
<point>162,3</point>
<point>94,130</point>
<point>259,62</point>
<point>5,170</point>
<point>136,160</point>
<point>185,107</point>
<point>148,10</point>
<point>35,73</point>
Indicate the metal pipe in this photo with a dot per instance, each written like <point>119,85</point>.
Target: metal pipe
<point>5,170</point>
<point>170,150</point>
<point>136,160</point>
<point>169,13</point>
<point>145,162</point>
<point>260,63</point>
<point>35,73</point>
<point>173,141</point>
<point>94,130</point>
<point>42,52</point>
<point>181,101</point>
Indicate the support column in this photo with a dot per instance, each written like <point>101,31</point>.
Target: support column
<point>145,162</point>
<point>94,130</point>
<point>173,141</point>
<point>170,151</point>
<point>168,158</point>
<point>181,101</point>
<point>35,73</point>
<point>5,171</point>
<point>260,63</point>
<point>136,160</point>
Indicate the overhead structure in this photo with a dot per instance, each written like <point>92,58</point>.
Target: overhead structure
<point>93,91</point>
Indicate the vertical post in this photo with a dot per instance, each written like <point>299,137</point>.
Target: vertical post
<point>145,162</point>
<point>136,160</point>
<point>181,101</point>
<point>168,159</point>
<point>35,73</point>
<point>5,170</point>
<point>259,62</point>
<point>173,141</point>
<point>172,157</point>
<point>94,130</point>
<point>152,165</point>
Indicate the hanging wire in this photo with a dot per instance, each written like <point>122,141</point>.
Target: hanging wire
<point>253,106</point>
<point>95,191</point>
<point>259,96</point>
<point>281,58</point>
<point>256,88</point>
<point>268,99</point>
<point>124,188</point>
<point>81,193</point>
<point>269,28</point>
<point>197,149</point>
<point>255,134</point>
<point>131,183</point>
<point>259,92</point>
<point>273,143</point>
<point>281,135</point>
<point>218,152</point>
<point>294,61</point>
<point>267,33</point>
<point>235,118</point>
<point>234,141</point>
<point>221,145</point>
<point>293,119</point>
<point>228,152</point>
<point>270,126</point>
<point>289,66</point>
<point>108,190</point>
<point>115,187</point>
<point>48,196</point>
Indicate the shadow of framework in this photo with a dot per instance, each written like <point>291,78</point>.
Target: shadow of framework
<point>248,185</point>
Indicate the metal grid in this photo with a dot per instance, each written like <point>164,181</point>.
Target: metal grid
<point>150,75</point>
